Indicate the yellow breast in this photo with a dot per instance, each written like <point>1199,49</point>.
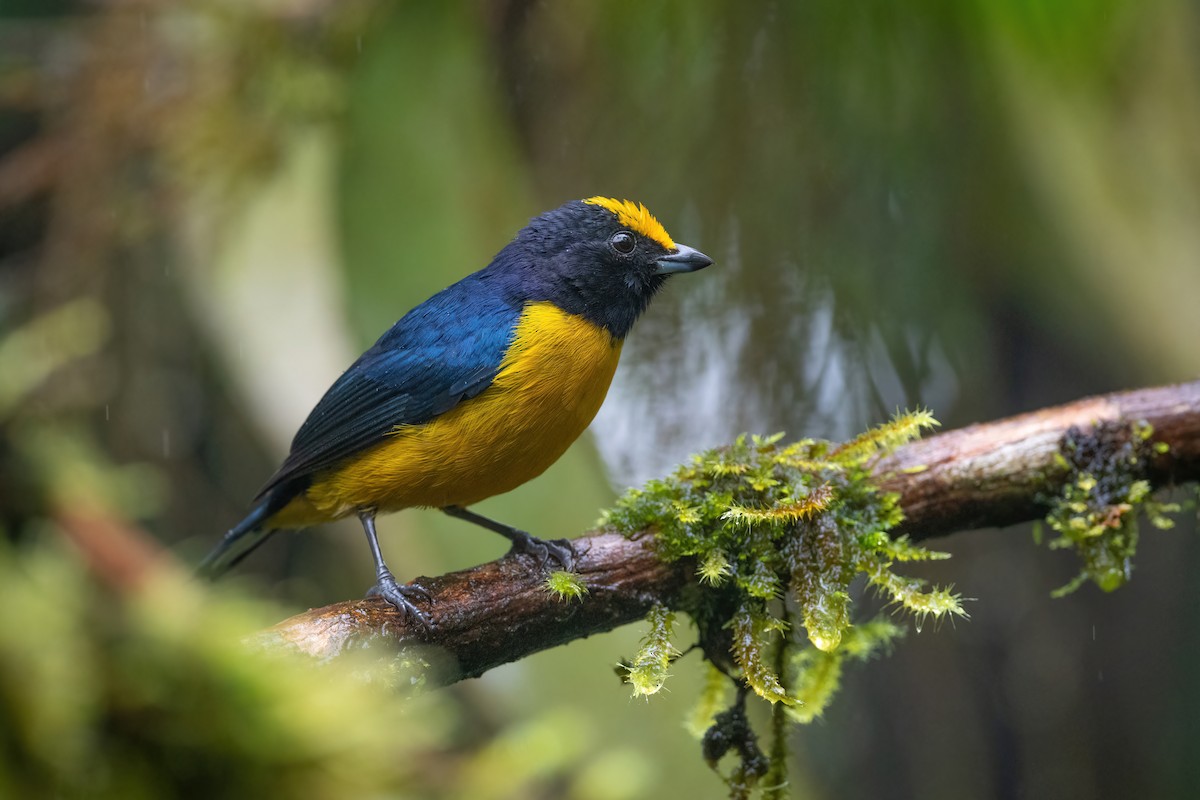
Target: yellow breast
<point>550,386</point>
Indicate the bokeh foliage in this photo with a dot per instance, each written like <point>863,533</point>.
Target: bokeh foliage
<point>156,695</point>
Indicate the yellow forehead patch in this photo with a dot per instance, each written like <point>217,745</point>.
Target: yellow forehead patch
<point>636,217</point>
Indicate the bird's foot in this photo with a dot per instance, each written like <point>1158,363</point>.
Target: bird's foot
<point>544,551</point>
<point>401,596</point>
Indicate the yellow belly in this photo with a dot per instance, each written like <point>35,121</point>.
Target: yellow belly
<point>549,388</point>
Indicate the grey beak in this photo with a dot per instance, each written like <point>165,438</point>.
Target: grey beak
<point>684,259</point>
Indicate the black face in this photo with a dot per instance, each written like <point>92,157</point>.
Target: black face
<point>584,260</point>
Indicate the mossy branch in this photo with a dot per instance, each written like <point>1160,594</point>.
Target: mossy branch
<point>986,475</point>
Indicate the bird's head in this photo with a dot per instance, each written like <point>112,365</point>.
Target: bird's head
<point>600,258</point>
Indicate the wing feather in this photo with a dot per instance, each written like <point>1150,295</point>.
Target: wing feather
<point>444,351</point>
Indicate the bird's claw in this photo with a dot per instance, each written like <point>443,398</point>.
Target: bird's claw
<point>544,550</point>
<point>401,596</point>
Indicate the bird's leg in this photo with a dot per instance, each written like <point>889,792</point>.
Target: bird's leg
<point>542,550</point>
<point>386,585</point>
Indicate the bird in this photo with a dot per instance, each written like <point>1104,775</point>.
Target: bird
<point>475,391</point>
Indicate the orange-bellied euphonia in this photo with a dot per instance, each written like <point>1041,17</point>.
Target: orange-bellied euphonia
<point>478,389</point>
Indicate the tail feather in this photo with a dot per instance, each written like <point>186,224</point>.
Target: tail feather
<point>241,540</point>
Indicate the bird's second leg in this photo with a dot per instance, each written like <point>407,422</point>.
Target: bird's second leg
<point>542,550</point>
<point>386,585</point>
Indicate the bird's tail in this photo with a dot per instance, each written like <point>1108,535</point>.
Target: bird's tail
<point>241,540</point>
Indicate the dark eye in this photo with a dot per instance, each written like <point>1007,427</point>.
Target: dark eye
<point>623,242</point>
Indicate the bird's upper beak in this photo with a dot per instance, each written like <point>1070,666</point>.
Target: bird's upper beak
<point>684,259</point>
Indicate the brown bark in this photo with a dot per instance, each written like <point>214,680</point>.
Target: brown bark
<point>990,474</point>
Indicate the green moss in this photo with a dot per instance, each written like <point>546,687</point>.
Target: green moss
<point>1096,512</point>
<point>155,693</point>
<point>648,671</point>
<point>777,532</point>
<point>714,698</point>
<point>814,675</point>
<point>754,642</point>
<point>565,585</point>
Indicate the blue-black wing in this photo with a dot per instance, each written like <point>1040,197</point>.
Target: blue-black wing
<point>444,351</point>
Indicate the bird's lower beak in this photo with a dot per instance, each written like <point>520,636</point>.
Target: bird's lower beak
<point>684,259</point>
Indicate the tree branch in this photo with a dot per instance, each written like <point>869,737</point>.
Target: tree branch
<point>990,474</point>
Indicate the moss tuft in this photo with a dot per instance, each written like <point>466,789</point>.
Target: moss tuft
<point>1096,512</point>
<point>565,585</point>
<point>648,671</point>
<point>777,533</point>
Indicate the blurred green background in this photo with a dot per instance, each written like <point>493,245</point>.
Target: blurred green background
<point>208,208</point>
